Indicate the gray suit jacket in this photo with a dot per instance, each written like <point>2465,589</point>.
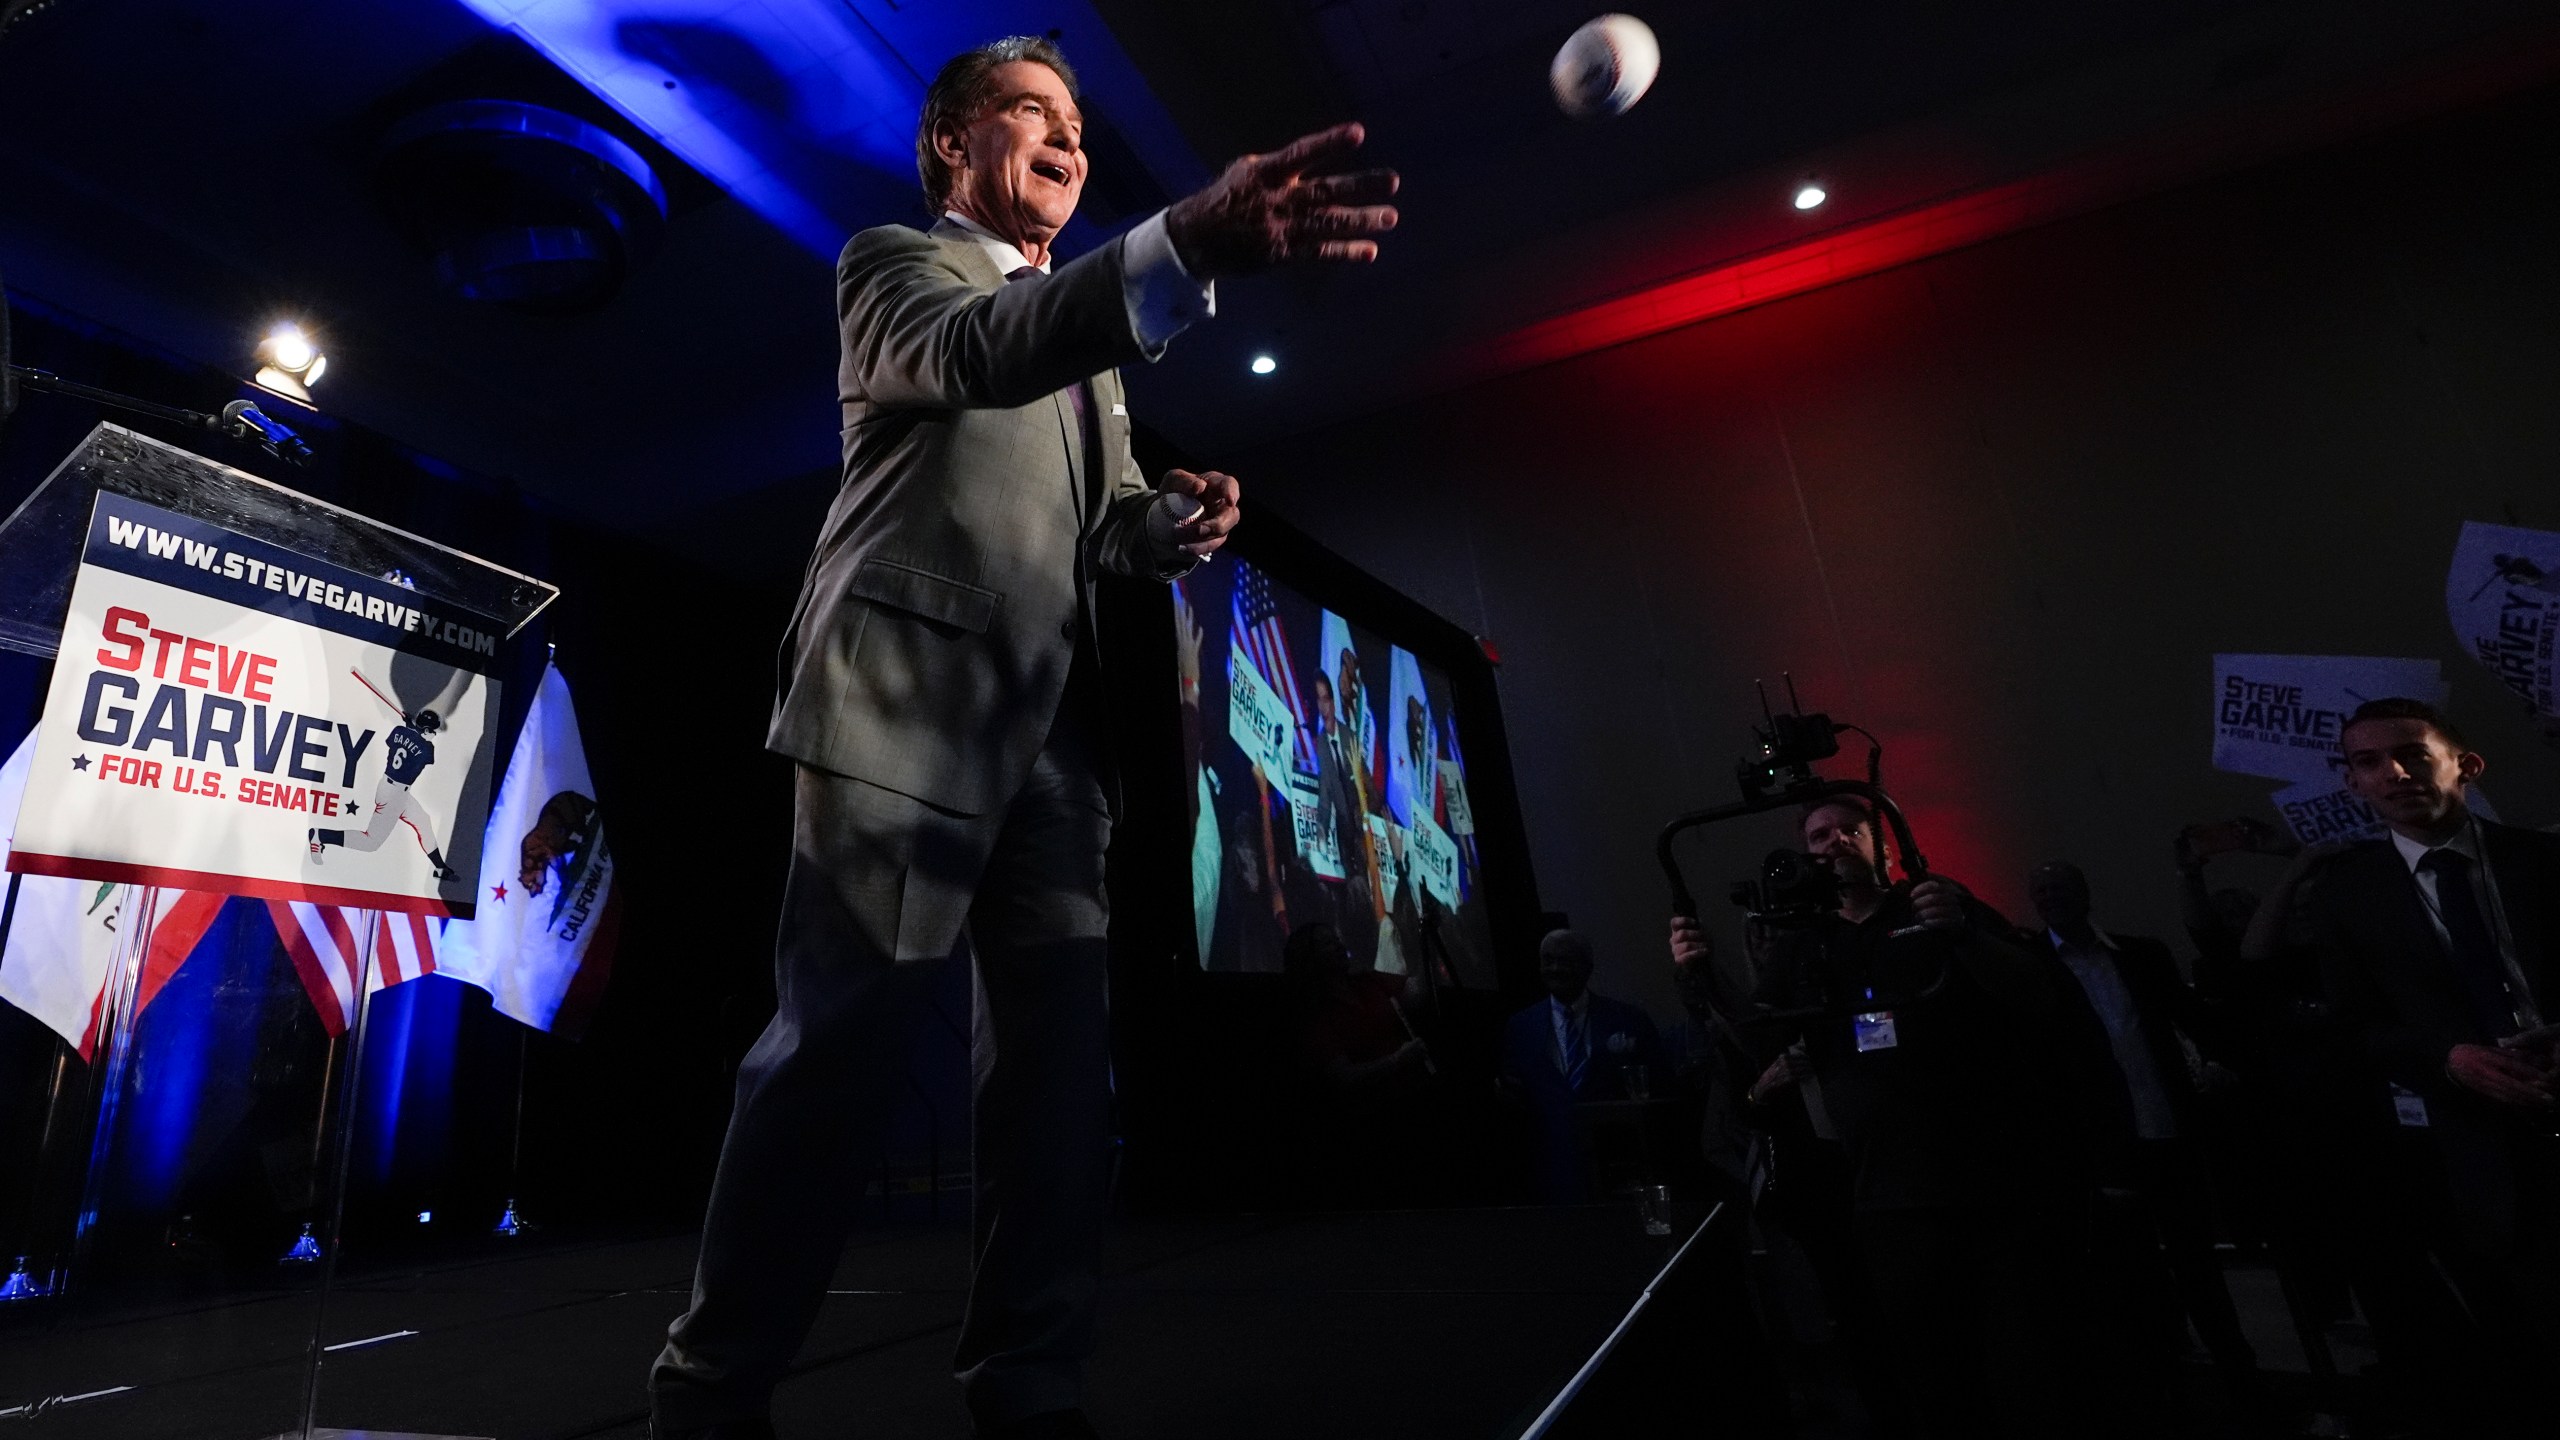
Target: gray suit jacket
<point>944,603</point>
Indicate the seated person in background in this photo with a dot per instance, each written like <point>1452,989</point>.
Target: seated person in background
<point>2134,986</point>
<point>2441,948</point>
<point>1573,1046</point>
<point>1971,1090</point>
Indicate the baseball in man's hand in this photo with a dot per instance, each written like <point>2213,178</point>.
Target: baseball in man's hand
<point>1204,508</point>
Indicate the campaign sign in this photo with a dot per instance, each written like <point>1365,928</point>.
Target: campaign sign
<point>229,716</point>
<point>1317,842</point>
<point>1258,721</point>
<point>1453,790</point>
<point>1434,858</point>
<point>2278,716</point>
<point>2503,594</point>
<point>2317,810</point>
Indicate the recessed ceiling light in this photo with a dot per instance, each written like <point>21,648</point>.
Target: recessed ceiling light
<point>1264,364</point>
<point>1810,194</point>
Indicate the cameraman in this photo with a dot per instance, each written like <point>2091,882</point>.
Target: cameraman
<point>1970,1098</point>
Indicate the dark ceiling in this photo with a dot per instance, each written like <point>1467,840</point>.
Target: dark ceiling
<point>186,171</point>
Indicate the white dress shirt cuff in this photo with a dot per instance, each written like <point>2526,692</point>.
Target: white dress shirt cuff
<point>1162,297</point>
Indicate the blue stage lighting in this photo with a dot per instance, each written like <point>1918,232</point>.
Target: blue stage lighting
<point>805,110</point>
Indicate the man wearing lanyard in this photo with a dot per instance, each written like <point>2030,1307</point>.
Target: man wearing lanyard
<point>2440,947</point>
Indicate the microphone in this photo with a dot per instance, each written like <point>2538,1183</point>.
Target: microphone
<point>242,420</point>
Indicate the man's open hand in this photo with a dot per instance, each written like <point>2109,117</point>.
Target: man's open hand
<point>1221,501</point>
<point>1268,210</point>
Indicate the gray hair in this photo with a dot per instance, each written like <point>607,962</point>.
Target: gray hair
<point>1571,947</point>
<point>963,91</point>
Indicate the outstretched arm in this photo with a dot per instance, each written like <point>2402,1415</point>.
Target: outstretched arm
<point>918,334</point>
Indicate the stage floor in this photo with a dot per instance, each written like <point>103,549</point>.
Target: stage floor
<point>1404,1324</point>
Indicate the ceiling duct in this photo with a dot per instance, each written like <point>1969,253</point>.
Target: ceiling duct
<point>520,205</point>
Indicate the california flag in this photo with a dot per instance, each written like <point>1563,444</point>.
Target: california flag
<point>61,943</point>
<point>543,938</point>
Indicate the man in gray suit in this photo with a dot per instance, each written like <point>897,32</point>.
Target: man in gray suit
<point>942,693</point>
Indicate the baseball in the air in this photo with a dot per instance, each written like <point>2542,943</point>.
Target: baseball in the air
<point>1605,68</point>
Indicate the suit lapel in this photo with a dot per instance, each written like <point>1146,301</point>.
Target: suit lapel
<point>1107,396</point>
<point>1072,434</point>
<point>981,271</point>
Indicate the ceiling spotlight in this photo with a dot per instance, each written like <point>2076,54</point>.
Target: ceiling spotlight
<point>289,363</point>
<point>1810,194</point>
<point>1264,364</point>
<point>289,348</point>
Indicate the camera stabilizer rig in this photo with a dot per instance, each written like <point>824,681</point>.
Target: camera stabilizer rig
<point>1779,775</point>
<point>1791,888</point>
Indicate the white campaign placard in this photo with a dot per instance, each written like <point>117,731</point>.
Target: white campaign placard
<point>1317,842</point>
<point>2325,809</point>
<point>2503,596</point>
<point>1453,791</point>
<point>228,716</point>
<point>2317,810</point>
<point>1258,721</point>
<point>2277,716</point>
<point>1434,857</point>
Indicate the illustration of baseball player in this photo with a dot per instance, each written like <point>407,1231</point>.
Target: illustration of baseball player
<point>406,753</point>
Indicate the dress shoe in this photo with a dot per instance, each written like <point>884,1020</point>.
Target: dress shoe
<point>1048,1425</point>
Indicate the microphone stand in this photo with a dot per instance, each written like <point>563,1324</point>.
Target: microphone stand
<point>240,420</point>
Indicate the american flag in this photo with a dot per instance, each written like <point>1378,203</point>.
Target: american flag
<point>325,941</point>
<point>1257,635</point>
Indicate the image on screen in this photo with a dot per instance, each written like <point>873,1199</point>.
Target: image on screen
<point>1326,784</point>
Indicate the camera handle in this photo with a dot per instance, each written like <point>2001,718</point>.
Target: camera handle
<point>1804,792</point>
<point>1906,849</point>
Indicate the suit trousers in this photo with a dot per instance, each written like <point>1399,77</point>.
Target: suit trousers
<point>881,887</point>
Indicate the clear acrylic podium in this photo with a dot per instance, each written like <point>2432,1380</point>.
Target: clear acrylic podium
<point>170,1208</point>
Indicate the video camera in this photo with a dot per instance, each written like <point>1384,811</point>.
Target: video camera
<point>1791,889</point>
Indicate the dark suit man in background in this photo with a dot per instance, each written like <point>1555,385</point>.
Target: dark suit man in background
<point>942,695</point>
<point>1573,1046</point>
<point>2441,947</point>
<point>2163,1190</point>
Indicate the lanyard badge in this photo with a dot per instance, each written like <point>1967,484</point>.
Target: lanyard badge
<point>1874,1031</point>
